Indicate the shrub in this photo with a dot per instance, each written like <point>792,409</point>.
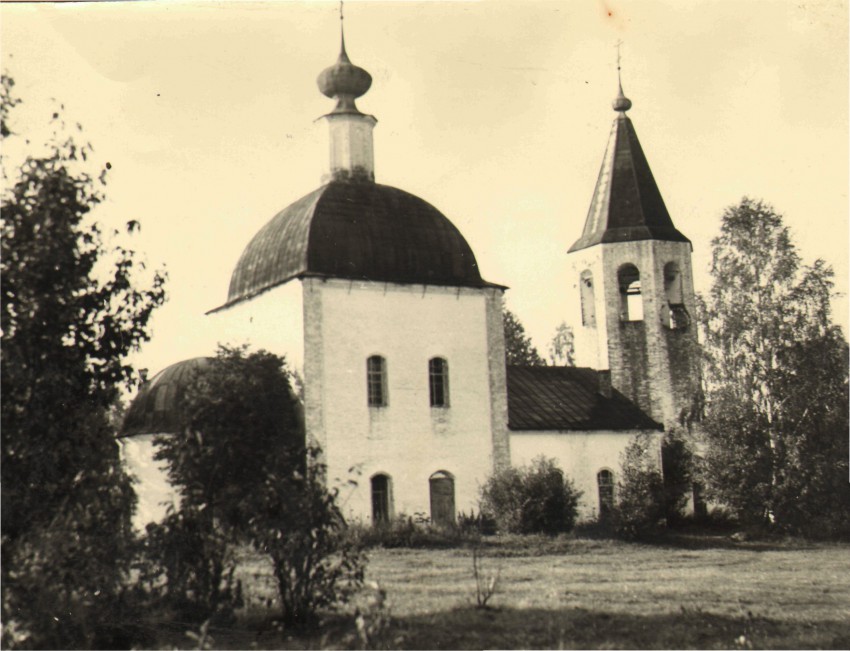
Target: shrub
<point>533,499</point>
<point>373,622</point>
<point>296,521</point>
<point>187,565</point>
<point>62,585</point>
<point>417,532</point>
<point>244,475</point>
<point>641,503</point>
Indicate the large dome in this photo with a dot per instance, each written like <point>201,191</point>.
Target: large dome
<point>358,230</point>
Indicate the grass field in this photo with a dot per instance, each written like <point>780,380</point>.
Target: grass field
<point>574,593</point>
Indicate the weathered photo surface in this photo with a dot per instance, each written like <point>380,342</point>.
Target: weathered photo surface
<point>425,324</point>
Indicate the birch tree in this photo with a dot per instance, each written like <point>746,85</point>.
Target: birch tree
<point>765,308</point>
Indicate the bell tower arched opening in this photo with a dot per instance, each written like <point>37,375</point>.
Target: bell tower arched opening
<point>631,299</point>
<point>675,315</point>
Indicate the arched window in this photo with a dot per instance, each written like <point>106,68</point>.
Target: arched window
<point>442,485</point>
<point>605,482</point>
<point>376,381</point>
<point>438,381</point>
<point>588,302</point>
<point>381,485</point>
<point>631,301</point>
<point>676,315</point>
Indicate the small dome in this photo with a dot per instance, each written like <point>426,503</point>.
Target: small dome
<point>345,82</point>
<point>154,410</point>
<point>621,103</point>
<point>356,230</point>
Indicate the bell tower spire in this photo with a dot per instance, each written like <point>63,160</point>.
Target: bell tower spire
<point>351,149</point>
<point>634,282</point>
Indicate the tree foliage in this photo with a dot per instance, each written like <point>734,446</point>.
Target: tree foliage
<point>777,379</point>
<point>296,521</point>
<point>239,422</point>
<point>244,474</point>
<point>519,351</point>
<point>679,471</point>
<point>562,346</point>
<point>641,501</point>
<point>533,499</point>
<point>72,311</point>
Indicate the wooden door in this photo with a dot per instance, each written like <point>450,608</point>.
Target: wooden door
<point>442,499</point>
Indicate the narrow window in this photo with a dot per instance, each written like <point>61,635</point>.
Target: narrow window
<point>605,481</point>
<point>438,381</point>
<point>588,303</point>
<point>376,380</point>
<point>631,301</point>
<point>380,499</point>
<point>442,485</point>
<point>677,316</point>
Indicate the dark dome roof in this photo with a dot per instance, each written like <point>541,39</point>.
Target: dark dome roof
<point>154,409</point>
<point>356,230</point>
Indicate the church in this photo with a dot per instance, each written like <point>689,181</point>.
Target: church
<point>376,300</point>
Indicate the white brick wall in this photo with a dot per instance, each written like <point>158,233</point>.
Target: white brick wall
<point>153,491</point>
<point>273,321</point>
<point>580,455</point>
<point>408,439</point>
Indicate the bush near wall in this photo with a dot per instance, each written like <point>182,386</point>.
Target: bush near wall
<point>537,498</point>
<point>641,498</point>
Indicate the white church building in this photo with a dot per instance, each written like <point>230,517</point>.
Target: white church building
<point>375,298</point>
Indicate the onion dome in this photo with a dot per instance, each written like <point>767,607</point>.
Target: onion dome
<point>357,231</point>
<point>155,409</point>
<point>621,103</point>
<point>627,205</point>
<point>344,82</point>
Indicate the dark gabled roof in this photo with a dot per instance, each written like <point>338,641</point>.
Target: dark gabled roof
<point>359,230</point>
<point>627,204</point>
<point>568,398</point>
<point>154,410</point>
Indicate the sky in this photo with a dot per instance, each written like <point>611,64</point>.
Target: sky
<point>495,112</point>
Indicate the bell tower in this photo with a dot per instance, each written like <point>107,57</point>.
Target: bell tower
<point>631,274</point>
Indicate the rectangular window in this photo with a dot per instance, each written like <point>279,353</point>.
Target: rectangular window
<point>438,380</point>
<point>376,381</point>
